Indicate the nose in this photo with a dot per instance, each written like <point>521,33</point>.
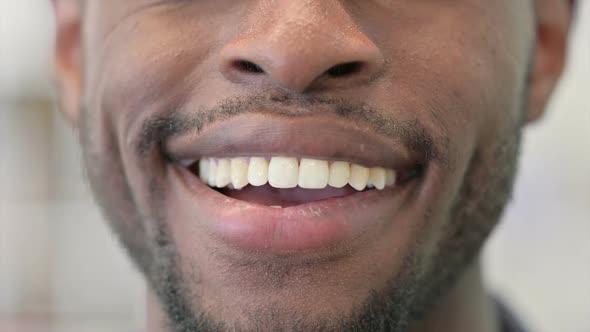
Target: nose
<point>300,46</point>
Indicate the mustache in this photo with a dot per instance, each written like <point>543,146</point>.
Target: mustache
<point>159,129</point>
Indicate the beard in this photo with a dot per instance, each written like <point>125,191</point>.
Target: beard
<point>407,297</point>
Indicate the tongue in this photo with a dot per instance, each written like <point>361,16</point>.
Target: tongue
<point>270,196</point>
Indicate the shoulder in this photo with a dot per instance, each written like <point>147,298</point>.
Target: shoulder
<point>508,321</point>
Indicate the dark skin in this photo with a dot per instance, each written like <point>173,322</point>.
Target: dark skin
<point>453,81</point>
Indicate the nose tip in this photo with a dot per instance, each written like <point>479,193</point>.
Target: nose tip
<point>300,62</point>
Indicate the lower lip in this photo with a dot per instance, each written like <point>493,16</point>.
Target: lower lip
<point>311,226</point>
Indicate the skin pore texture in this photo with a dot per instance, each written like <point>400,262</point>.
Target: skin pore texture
<point>452,82</point>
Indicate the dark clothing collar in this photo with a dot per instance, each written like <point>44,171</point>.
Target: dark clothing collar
<point>508,322</point>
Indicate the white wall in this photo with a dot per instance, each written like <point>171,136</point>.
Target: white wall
<point>56,254</point>
<point>26,32</point>
<point>25,249</point>
<point>540,258</point>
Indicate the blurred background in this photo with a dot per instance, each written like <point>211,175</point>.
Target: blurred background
<point>61,270</point>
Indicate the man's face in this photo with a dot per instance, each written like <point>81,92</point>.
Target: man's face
<point>435,92</point>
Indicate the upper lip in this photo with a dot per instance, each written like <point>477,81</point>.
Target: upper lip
<point>323,136</point>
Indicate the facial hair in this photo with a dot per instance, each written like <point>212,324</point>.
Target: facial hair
<point>409,295</point>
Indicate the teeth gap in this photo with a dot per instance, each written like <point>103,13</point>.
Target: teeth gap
<point>194,168</point>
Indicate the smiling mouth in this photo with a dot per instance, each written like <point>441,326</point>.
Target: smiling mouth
<point>292,185</point>
<point>281,182</point>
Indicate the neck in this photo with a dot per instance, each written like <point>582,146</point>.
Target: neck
<point>156,320</point>
<point>465,308</point>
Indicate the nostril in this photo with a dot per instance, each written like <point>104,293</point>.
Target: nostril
<point>344,69</point>
<point>247,66</point>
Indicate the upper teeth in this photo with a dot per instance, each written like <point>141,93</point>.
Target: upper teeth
<point>287,172</point>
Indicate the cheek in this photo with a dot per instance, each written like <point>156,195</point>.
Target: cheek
<point>465,85</point>
<point>467,63</point>
<point>133,71</point>
<point>147,64</point>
